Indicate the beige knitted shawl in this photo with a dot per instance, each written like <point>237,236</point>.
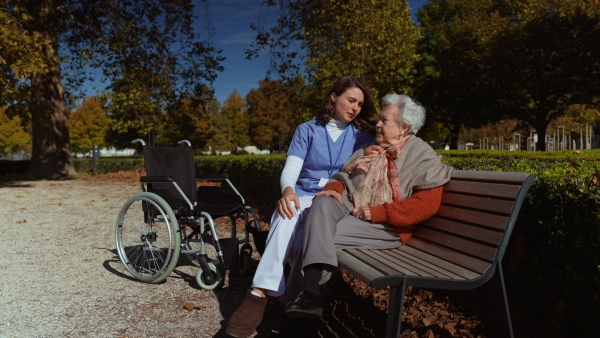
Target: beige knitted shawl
<point>418,165</point>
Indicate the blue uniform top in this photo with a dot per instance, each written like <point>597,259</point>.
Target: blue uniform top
<point>321,160</point>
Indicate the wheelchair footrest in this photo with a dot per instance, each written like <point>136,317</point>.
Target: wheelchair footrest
<point>230,248</point>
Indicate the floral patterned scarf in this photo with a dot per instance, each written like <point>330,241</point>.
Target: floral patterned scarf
<point>381,182</point>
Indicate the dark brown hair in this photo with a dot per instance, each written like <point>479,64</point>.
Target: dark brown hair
<point>365,119</point>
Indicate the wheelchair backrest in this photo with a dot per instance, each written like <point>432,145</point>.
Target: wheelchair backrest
<point>178,163</point>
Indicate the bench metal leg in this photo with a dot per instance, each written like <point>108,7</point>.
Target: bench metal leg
<point>501,318</point>
<point>394,316</point>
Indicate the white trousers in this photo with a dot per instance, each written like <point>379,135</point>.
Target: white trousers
<point>283,245</point>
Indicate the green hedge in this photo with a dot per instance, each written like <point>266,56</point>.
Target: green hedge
<point>255,176</point>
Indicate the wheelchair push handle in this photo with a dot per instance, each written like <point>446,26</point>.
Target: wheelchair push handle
<point>130,143</point>
<point>185,142</point>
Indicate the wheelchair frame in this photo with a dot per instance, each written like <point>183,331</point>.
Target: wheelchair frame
<point>150,246</point>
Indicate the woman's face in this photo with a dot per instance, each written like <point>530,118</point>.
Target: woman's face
<point>389,131</point>
<point>347,106</point>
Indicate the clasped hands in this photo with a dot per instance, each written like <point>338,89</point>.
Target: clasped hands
<point>286,210</point>
<point>362,213</point>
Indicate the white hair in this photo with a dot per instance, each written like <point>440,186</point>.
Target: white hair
<point>410,112</point>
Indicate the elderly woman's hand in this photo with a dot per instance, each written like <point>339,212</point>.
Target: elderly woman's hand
<point>331,193</point>
<point>284,205</point>
<point>362,213</point>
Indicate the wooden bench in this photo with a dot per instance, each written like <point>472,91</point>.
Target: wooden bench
<point>460,248</point>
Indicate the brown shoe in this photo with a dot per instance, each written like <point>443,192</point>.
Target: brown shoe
<point>246,318</point>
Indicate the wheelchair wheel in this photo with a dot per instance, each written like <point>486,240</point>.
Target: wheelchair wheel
<point>209,280</point>
<point>147,237</point>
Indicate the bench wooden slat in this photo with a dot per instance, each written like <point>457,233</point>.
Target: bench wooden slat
<point>482,189</point>
<point>454,257</point>
<point>431,268</point>
<point>440,263</point>
<point>385,259</point>
<point>481,251</point>
<point>490,176</point>
<point>474,217</point>
<point>357,267</point>
<point>476,233</point>
<point>479,203</point>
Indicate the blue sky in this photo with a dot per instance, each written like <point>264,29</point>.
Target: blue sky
<point>232,19</point>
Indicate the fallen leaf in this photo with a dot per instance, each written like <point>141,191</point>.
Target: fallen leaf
<point>429,320</point>
<point>450,328</point>
<point>19,221</point>
<point>191,306</point>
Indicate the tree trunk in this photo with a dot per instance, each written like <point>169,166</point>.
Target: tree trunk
<point>51,154</point>
<point>540,127</point>
<point>454,132</point>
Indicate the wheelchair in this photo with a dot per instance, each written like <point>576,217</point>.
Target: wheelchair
<point>172,215</point>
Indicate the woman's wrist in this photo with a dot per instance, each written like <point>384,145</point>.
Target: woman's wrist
<point>287,191</point>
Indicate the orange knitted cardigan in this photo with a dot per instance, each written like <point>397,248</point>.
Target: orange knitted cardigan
<point>403,215</point>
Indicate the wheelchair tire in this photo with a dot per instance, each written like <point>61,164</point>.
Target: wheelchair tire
<point>209,283</point>
<point>147,237</point>
<point>245,263</point>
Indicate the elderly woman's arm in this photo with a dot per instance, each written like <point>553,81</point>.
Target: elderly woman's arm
<point>416,208</point>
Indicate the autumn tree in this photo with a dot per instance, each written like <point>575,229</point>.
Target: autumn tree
<point>147,49</point>
<point>527,60</point>
<point>88,126</point>
<point>545,59</point>
<point>329,39</point>
<point>452,77</point>
<point>12,134</point>
<point>191,119</point>
<point>236,117</point>
<point>269,112</point>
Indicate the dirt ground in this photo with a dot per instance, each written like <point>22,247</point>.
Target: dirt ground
<point>61,277</point>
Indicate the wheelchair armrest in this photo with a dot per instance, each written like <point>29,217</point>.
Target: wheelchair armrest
<point>156,179</point>
<point>211,177</point>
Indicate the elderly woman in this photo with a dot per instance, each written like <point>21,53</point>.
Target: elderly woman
<point>382,192</point>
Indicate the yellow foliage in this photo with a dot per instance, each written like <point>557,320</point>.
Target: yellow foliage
<point>12,135</point>
<point>88,126</point>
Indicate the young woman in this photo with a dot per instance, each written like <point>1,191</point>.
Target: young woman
<point>319,148</point>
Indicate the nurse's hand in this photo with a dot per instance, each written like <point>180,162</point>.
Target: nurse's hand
<point>284,205</point>
<point>331,193</point>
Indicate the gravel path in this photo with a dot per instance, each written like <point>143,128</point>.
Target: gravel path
<point>61,276</point>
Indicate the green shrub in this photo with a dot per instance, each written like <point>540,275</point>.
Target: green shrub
<point>108,164</point>
<point>255,176</point>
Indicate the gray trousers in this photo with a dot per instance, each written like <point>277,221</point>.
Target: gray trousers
<point>330,227</point>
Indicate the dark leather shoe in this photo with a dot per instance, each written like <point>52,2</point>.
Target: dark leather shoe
<point>308,304</point>
<point>246,318</point>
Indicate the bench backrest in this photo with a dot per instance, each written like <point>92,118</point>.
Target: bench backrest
<point>475,219</point>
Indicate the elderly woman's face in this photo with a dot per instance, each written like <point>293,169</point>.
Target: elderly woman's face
<point>389,131</point>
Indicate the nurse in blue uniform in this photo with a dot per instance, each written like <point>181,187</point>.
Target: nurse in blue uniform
<point>319,148</point>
